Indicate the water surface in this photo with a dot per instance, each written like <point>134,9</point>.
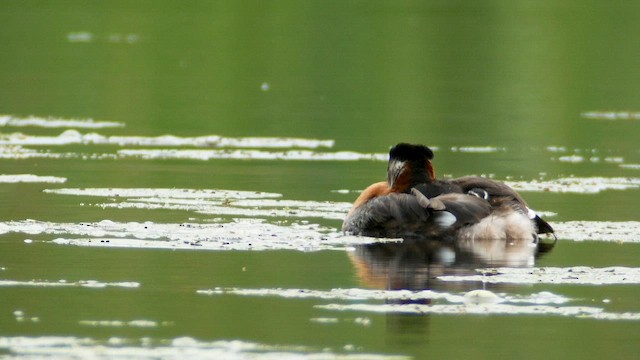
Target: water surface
<point>174,177</point>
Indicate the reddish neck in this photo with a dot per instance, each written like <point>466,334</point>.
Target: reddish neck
<point>432,173</point>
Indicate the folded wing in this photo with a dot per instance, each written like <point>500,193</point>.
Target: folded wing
<point>401,215</point>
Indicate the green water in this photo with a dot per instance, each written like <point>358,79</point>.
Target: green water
<point>515,75</point>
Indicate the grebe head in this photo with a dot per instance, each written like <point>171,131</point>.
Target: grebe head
<point>406,161</point>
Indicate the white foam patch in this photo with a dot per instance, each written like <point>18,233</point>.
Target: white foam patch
<point>86,37</point>
<point>630,166</point>
<point>69,347</point>
<point>52,122</point>
<point>572,159</point>
<point>28,178</point>
<point>582,275</point>
<point>486,309</point>
<point>65,283</point>
<point>240,234</point>
<point>325,320</point>
<point>20,316</point>
<point>80,37</point>
<point>611,115</point>
<point>71,136</point>
<point>346,191</point>
<point>615,231</point>
<point>585,185</point>
<point>152,154</point>
<point>614,159</point>
<point>556,149</point>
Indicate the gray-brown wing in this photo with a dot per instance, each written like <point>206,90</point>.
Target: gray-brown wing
<point>500,194</point>
<point>411,216</point>
<point>467,209</point>
<point>496,190</point>
<point>386,216</point>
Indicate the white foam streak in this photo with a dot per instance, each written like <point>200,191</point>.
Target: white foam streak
<point>611,115</point>
<point>163,193</point>
<point>232,209</point>
<point>65,283</point>
<point>249,154</point>
<point>485,309</point>
<point>335,294</point>
<point>51,122</point>
<point>475,302</point>
<point>587,185</point>
<point>58,347</point>
<point>356,294</point>
<point>141,323</point>
<point>212,202</point>
<point>71,136</point>
<point>477,149</point>
<point>29,178</point>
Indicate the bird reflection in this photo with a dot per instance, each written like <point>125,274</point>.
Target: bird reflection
<point>416,264</point>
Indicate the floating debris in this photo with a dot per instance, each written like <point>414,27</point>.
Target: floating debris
<point>584,185</point>
<point>28,178</point>
<point>615,231</point>
<point>239,234</point>
<point>582,275</point>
